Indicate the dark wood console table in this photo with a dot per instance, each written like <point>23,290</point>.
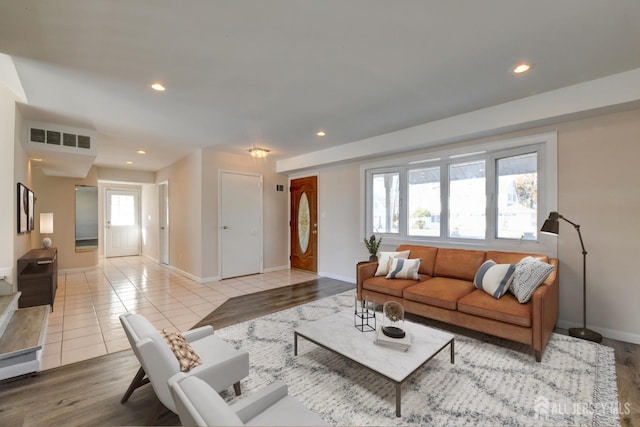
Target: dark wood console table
<point>38,277</point>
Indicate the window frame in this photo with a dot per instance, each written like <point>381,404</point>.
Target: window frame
<point>545,145</point>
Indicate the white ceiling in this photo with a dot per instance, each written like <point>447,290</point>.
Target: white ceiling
<point>272,73</point>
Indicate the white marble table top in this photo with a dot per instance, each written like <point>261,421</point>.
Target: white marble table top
<point>338,333</point>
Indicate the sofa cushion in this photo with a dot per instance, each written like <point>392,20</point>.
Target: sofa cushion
<point>384,261</point>
<point>426,253</point>
<point>506,309</point>
<point>513,257</point>
<point>458,263</point>
<point>404,269</point>
<point>439,291</point>
<point>530,273</point>
<point>494,279</point>
<point>386,286</point>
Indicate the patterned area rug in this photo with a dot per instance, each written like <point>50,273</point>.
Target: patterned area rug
<point>493,381</point>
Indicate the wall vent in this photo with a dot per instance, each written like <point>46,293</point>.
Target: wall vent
<point>54,137</point>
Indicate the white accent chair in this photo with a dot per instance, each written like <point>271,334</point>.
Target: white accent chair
<point>198,404</point>
<point>222,365</point>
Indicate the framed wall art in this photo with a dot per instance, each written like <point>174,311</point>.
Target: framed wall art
<point>30,208</point>
<point>23,209</point>
<point>26,208</point>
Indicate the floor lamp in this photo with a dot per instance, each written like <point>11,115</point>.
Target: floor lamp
<point>551,226</point>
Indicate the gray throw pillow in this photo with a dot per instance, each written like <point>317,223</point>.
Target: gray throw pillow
<point>530,273</point>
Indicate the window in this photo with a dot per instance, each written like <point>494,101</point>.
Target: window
<point>123,209</point>
<point>386,202</point>
<point>487,198</point>
<point>518,196</point>
<point>424,202</point>
<point>467,200</point>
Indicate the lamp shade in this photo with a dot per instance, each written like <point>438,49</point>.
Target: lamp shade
<point>46,223</point>
<point>551,224</point>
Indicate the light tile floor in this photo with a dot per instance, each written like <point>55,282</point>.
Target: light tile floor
<point>85,322</point>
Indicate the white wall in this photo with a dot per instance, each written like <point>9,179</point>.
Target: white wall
<point>598,181</point>
<point>149,221</point>
<point>7,182</point>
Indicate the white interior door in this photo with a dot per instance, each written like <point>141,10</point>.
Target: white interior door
<point>240,224</point>
<point>163,219</point>
<point>122,223</point>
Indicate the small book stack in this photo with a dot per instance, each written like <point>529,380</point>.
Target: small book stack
<point>402,344</point>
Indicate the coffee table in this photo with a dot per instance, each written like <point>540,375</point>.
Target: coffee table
<point>337,333</point>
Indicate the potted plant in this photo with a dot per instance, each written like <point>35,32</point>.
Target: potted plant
<point>372,245</point>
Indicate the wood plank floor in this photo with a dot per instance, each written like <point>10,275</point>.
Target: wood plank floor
<point>88,393</point>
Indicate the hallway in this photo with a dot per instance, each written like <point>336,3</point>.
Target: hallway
<point>85,323</point>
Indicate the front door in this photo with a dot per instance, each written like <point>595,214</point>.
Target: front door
<point>122,223</point>
<point>304,223</point>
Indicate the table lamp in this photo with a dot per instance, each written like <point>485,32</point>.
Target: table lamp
<point>46,227</point>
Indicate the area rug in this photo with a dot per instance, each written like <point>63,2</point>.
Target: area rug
<point>493,381</point>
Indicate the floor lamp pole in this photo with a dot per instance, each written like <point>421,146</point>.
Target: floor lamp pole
<point>583,332</point>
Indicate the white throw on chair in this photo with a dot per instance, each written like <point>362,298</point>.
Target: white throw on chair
<point>222,365</point>
<point>197,404</point>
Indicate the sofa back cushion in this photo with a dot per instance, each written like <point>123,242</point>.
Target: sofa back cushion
<point>513,257</point>
<point>426,253</point>
<point>458,263</point>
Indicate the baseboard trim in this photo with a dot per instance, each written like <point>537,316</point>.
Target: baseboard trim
<point>337,277</point>
<point>272,269</point>
<point>605,332</point>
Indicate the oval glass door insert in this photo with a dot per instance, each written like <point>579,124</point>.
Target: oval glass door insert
<point>303,223</point>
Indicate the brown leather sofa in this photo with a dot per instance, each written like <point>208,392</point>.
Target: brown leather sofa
<point>446,293</point>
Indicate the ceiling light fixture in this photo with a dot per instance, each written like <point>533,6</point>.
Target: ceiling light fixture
<point>37,160</point>
<point>259,153</point>
<point>321,133</point>
<point>141,152</point>
<point>158,87</point>
<point>522,68</point>
<point>129,162</point>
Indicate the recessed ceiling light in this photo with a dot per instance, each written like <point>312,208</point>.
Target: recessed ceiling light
<point>159,87</point>
<point>37,160</point>
<point>141,152</point>
<point>129,162</point>
<point>522,68</point>
<point>321,133</point>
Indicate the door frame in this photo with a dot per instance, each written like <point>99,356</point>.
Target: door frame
<point>291,178</point>
<point>220,225</point>
<point>161,207</point>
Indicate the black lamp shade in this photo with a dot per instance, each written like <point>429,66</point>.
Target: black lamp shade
<point>550,226</point>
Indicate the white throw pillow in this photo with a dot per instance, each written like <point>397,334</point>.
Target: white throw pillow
<point>495,279</point>
<point>404,268</point>
<point>384,261</point>
<point>530,273</point>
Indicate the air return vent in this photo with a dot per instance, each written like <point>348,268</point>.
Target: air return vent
<point>54,137</point>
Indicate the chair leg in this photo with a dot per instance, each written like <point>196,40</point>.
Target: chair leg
<point>236,388</point>
<point>138,381</point>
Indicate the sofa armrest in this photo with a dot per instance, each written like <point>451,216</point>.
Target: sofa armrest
<point>546,301</point>
<point>198,333</point>
<point>258,402</point>
<point>364,270</point>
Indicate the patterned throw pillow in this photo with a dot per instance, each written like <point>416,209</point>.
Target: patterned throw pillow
<point>384,261</point>
<point>404,268</point>
<point>187,358</point>
<point>495,279</point>
<point>530,273</point>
